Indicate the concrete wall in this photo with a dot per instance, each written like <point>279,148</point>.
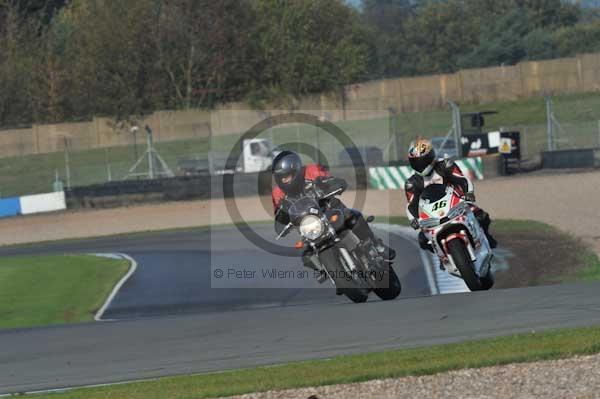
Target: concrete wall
<point>566,75</point>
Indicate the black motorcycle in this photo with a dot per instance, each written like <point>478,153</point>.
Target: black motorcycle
<point>327,228</point>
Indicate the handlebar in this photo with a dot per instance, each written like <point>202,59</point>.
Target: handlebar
<point>331,194</point>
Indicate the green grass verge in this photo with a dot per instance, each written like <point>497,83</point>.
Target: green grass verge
<point>356,368</point>
<point>591,266</point>
<point>401,220</point>
<point>139,234</point>
<point>522,226</point>
<point>45,290</point>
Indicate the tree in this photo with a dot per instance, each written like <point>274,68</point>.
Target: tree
<point>109,57</point>
<point>17,43</point>
<point>501,43</point>
<point>551,13</point>
<point>307,46</point>
<point>526,31</point>
<point>388,16</point>
<point>386,20</point>
<point>438,35</point>
<point>64,60</point>
<point>203,50</point>
<point>540,44</point>
<point>582,38</point>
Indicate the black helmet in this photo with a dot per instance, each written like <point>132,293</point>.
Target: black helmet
<point>288,172</point>
<point>421,157</point>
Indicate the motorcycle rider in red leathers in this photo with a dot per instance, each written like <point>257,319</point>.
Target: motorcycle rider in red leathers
<point>431,170</point>
<point>289,183</point>
<point>292,179</point>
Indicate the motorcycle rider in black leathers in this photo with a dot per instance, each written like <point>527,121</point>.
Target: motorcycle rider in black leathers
<point>292,180</point>
<point>430,170</point>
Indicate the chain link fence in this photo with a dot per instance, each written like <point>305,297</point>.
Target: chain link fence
<point>30,174</point>
<point>379,136</point>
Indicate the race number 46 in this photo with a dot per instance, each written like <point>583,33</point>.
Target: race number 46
<point>439,205</point>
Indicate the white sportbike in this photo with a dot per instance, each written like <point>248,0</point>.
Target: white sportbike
<point>456,236</point>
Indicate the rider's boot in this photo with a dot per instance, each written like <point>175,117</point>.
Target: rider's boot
<point>363,231</point>
<point>424,242</point>
<point>387,253</point>
<point>491,240</point>
<point>484,220</point>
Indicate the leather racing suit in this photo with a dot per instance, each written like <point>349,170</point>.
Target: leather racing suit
<point>445,172</point>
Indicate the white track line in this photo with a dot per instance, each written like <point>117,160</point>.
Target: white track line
<point>440,282</point>
<point>132,268</point>
<point>447,283</point>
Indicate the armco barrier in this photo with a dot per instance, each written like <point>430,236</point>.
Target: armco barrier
<point>128,192</point>
<point>10,207</point>
<point>43,203</point>
<point>394,177</point>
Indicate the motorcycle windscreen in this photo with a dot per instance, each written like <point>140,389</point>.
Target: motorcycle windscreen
<point>302,207</point>
<point>434,193</point>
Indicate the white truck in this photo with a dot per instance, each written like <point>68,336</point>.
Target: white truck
<point>256,156</point>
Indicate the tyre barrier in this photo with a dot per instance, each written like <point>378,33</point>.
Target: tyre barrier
<point>181,188</point>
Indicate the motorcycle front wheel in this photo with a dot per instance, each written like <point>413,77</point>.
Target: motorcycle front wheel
<point>353,290</point>
<point>463,262</point>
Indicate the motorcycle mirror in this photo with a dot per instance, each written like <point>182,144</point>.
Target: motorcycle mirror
<point>370,219</point>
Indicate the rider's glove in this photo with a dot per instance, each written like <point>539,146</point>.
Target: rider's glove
<point>319,193</point>
<point>470,196</point>
<point>415,224</point>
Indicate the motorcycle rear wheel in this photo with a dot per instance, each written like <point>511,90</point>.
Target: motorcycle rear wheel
<point>463,262</point>
<point>392,287</point>
<point>356,295</point>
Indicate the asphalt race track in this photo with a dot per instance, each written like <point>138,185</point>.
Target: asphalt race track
<point>195,329</point>
<point>174,273</point>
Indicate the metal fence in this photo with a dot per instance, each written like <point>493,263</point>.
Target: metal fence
<point>71,166</point>
<point>573,122</point>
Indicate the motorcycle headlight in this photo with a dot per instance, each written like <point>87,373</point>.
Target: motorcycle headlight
<point>311,227</point>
